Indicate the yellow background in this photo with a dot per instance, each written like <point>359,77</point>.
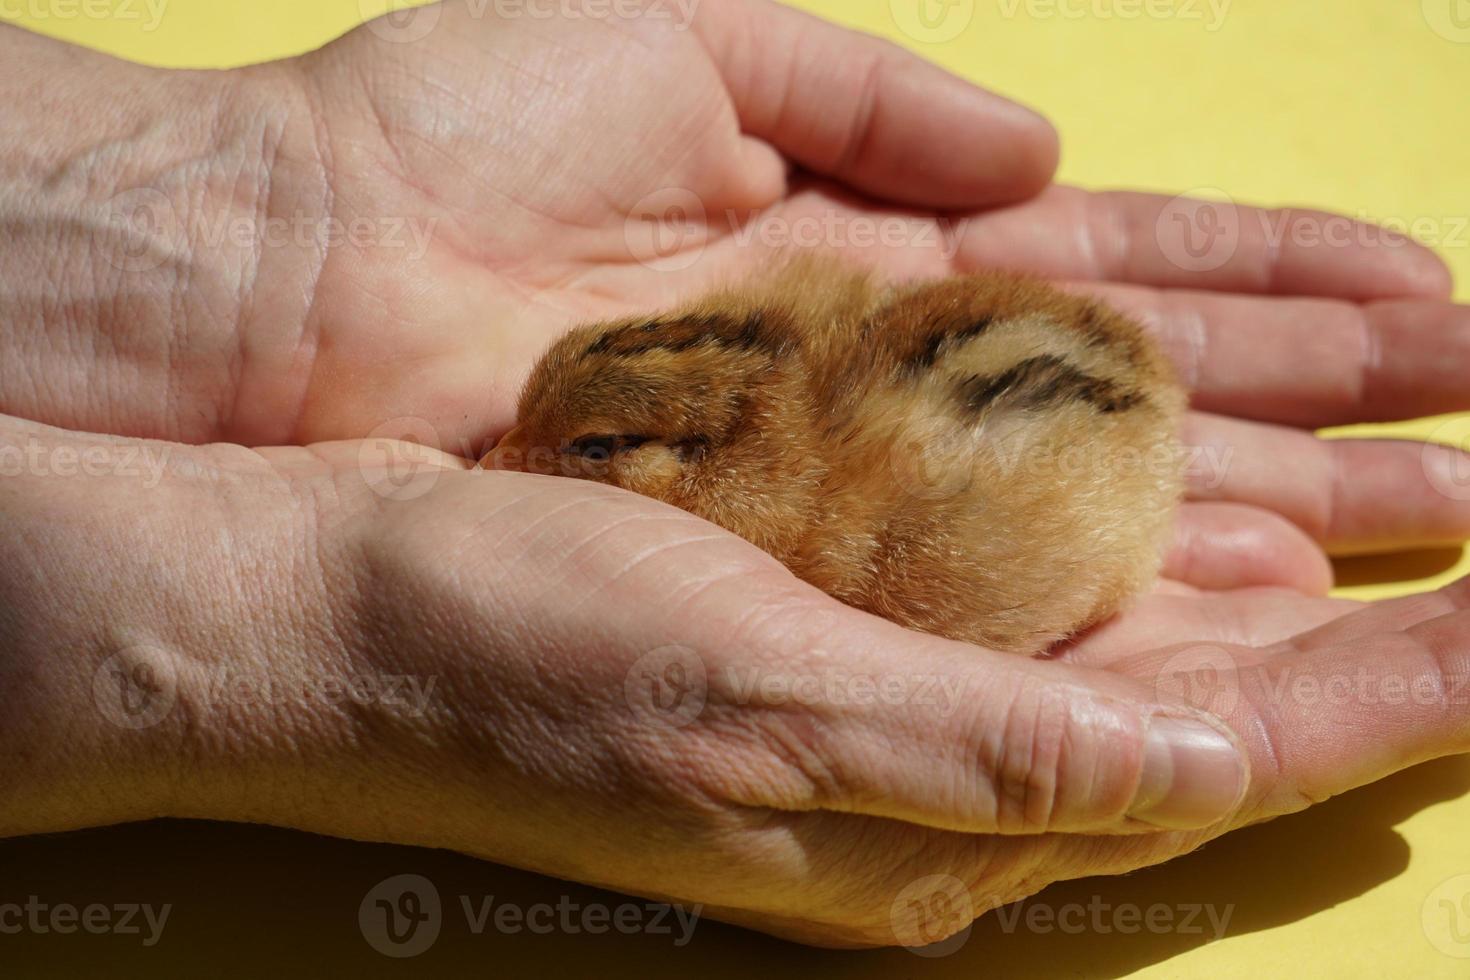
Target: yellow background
<point>1355,107</point>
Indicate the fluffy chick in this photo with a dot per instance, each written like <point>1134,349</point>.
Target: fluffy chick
<point>980,457</point>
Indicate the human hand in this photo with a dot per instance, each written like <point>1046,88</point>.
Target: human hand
<point>603,688</point>
<point>530,196</point>
<point>880,144</point>
<point>497,165</point>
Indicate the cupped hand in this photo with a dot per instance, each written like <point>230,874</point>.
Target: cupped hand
<point>563,677</point>
<point>580,169</point>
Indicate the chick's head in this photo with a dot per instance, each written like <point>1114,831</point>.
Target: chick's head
<point>701,410</point>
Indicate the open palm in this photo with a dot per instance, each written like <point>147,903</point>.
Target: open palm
<point>569,169</point>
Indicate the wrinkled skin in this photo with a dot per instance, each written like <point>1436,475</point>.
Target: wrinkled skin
<point>532,602</point>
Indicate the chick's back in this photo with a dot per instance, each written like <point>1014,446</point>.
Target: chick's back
<point>1003,456</point>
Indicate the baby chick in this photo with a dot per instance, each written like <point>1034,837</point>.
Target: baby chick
<point>980,457</point>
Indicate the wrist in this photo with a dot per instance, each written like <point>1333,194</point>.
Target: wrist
<point>146,242</point>
<point>159,605</point>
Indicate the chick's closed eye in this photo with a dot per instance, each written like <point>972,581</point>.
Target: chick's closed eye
<point>605,446</point>
<point>959,456</point>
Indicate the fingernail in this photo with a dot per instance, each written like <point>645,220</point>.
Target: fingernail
<point>1193,775</point>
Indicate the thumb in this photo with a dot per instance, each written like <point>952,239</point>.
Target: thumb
<point>872,115</point>
<point>877,720</point>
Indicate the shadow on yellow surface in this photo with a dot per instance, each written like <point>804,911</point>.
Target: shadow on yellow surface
<point>1409,566</point>
<point>269,896</point>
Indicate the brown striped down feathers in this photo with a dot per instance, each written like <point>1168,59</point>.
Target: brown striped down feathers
<point>980,457</point>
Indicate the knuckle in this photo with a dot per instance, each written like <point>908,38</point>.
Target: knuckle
<point>781,758</point>
<point>1027,774</point>
<point>1049,763</point>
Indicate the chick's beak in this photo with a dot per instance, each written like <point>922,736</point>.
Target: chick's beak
<point>509,453</point>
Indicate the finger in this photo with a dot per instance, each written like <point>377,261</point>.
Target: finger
<point>1246,617</point>
<point>1223,546</point>
<point>1126,237</point>
<point>1309,363</point>
<point>872,115</point>
<point>1346,704</point>
<point>1352,702</point>
<point>1352,496</point>
<point>944,735</point>
<point>1346,713</point>
<point>1388,616</point>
